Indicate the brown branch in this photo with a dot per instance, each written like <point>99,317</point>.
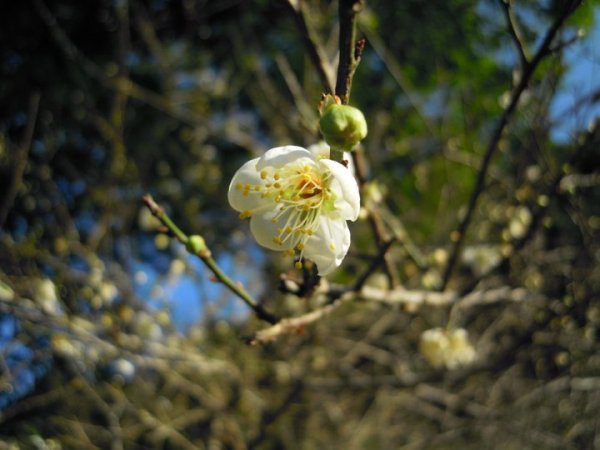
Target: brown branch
<point>411,300</point>
<point>350,54</point>
<point>297,324</point>
<point>350,49</point>
<point>528,71</point>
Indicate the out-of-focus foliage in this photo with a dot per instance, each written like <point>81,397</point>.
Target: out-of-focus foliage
<point>103,101</point>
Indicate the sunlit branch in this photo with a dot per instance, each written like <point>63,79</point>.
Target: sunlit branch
<point>410,300</point>
<point>527,73</point>
<point>296,324</point>
<point>205,255</point>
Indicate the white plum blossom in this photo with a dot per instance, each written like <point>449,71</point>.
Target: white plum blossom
<point>449,348</point>
<point>297,202</point>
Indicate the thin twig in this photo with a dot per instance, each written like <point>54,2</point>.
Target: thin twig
<point>350,54</point>
<point>21,158</point>
<point>514,31</point>
<point>590,141</point>
<point>381,257</point>
<point>313,46</point>
<point>479,187</point>
<point>350,49</point>
<point>205,255</point>
<point>297,324</point>
<point>400,233</point>
<point>375,219</point>
<point>379,47</point>
<point>307,113</point>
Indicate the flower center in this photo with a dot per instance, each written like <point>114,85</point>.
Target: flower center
<point>300,193</point>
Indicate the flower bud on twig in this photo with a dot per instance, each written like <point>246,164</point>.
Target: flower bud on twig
<point>342,126</point>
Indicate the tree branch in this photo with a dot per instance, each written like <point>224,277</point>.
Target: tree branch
<point>313,46</point>
<point>375,219</point>
<point>589,141</point>
<point>20,162</point>
<point>297,324</point>
<point>479,187</point>
<point>206,256</point>
<point>514,31</point>
<point>350,49</point>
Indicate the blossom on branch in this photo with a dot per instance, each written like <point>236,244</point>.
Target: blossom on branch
<point>449,348</point>
<point>297,202</point>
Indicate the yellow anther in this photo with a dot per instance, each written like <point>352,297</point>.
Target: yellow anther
<point>289,252</point>
<point>300,246</point>
<point>268,185</point>
<point>248,187</point>
<point>277,240</point>
<point>258,187</point>
<point>245,193</point>
<point>239,186</point>
<point>278,198</point>
<point>277,185</point>
<point>263,174</point>
<point>277,176</point>
<point>288,229</point>
<point>307,168</point>
<point>280,230</point>
<point>310,232</point>
<point>298,265</point>
<point>245,214</point>
<point>274,220</point>
<point>332,246</point>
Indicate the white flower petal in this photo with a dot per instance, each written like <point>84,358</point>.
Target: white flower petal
<point>247,174</point>
<point>320,150</point>
<point>280,156</point>
<point>264,230</point>
<point>329,245</point>
<point>344,185</point>
<point>293,184</point>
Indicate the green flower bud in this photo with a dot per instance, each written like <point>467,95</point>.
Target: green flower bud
<point>196,245</point>
<point>343,126</point>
